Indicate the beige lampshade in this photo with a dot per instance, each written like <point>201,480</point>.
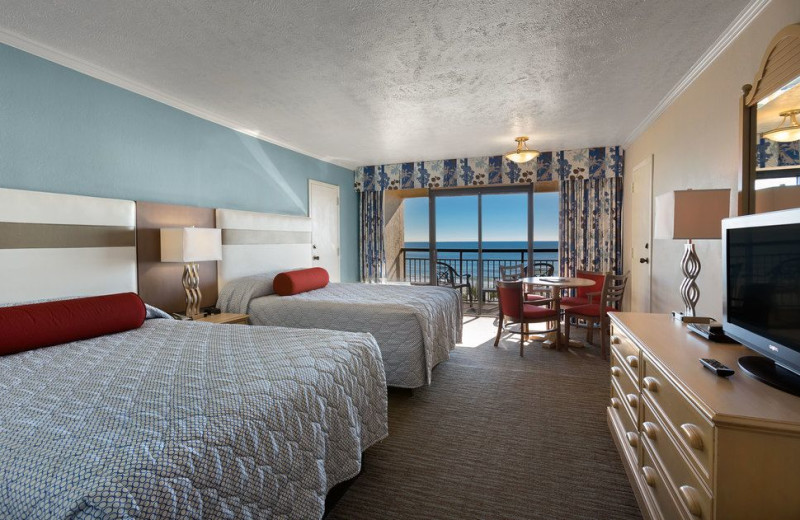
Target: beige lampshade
<point>190,244</point>
<point>691,214</point>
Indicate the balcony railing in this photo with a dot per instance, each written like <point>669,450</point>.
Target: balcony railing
<point>416,262</point>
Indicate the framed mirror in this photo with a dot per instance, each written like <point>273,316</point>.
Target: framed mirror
<point>770,177</point>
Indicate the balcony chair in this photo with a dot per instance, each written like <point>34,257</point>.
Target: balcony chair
<point>446,275</point>
<point>514,310</point>
<point>610,297</point>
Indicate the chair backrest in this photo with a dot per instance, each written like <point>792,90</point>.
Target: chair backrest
<point>598,279</point>
<point>509,298</point>
<point>613,290</point>
<point>445,274</point>
<point>542,269</point>
<point>512,272</point>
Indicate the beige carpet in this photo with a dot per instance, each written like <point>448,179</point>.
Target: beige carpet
<point>497,436</point>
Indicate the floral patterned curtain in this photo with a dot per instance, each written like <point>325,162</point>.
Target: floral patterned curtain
<point>487,170</point>
<point>370,235</point>
<point>770,154</point>
<point>590,224</point>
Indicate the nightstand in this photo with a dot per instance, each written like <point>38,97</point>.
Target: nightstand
<point>226,318</point>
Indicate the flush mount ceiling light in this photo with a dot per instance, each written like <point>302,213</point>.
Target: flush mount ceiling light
<point>522,154</point>
<point>786,133</point>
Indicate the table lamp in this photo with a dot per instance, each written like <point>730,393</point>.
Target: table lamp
<point>189,246</point>
<point>691,215</point>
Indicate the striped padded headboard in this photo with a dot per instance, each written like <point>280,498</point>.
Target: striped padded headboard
<point>54,245</point>
<point>256,243</point>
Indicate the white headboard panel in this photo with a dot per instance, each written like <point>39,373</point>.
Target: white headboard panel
<point>255,243</point>
<point>54,245</point>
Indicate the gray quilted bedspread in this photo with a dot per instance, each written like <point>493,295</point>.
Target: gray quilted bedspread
<point>416,326</point>
<point>187,420</point>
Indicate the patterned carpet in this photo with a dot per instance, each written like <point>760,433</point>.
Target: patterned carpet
<point>497,436</point>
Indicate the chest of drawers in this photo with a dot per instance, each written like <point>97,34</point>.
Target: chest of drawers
<point>696,445</point>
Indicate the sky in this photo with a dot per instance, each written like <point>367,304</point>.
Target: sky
<point>504,217</point>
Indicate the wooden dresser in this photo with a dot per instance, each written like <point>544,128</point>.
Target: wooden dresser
<point>696,445</point>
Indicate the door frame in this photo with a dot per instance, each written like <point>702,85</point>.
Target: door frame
<point>478,191</point>
<point>648,163</point>
<point>312,182</point>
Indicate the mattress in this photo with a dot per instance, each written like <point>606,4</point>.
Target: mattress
<point>416,327</point>
<point>177,420</point>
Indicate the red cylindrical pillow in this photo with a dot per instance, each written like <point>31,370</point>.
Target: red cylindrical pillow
<point>303,280</point>
<point>26,327</point>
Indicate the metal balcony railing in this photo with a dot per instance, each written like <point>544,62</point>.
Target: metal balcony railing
<point>416,262</point>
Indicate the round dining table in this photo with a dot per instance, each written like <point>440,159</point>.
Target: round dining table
<point>556,284</point>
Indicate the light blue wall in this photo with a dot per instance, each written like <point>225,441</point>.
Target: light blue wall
<point>65,132</point>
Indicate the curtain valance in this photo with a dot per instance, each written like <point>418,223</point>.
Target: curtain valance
<point>771,154</point>
<point>590,163</point>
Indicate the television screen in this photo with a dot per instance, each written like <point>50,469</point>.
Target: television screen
<point>763,282</point>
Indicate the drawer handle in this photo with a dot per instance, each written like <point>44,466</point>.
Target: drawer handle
<point>649,475</point>
<point>633,439</point>
<point>650,430</point>
<point>633,400</point>
<point>693,435</point>
<point>633,361</point>
<point>615,371</point>
<point>615,340</point>
<point>615,402</point>
<point>691,498</point>
<point>651,383</point>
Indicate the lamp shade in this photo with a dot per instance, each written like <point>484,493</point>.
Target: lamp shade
<point>691,214</point>
<point>190,244</point>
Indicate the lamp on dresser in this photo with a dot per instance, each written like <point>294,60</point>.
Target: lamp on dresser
<point>189,246</point>
<point>691,215</point>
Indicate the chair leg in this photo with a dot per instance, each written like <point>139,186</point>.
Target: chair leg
<point>499,330</point>
<point>558,332</point>
<point>566,327</point>
<point>590,330</point>
<point>605,338</point>
<point>522,339</point>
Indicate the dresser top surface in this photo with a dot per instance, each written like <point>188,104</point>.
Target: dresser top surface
<point>737,399</point>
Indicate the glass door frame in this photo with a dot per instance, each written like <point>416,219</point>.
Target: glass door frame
<point>434,193</point>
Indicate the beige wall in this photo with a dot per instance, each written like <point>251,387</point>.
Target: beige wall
<point>695,144</point>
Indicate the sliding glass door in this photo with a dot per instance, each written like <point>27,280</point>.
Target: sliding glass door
<point>476,231</point>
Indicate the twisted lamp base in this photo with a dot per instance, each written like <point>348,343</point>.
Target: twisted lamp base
<point>191,284</point>
<point>690,265</point>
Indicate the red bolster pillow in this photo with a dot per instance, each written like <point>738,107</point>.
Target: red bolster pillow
<point>26,327</point>
<point>302,280</point>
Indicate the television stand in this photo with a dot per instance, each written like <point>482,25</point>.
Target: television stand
<point>768,372</point>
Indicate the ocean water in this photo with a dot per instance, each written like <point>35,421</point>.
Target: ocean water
<point>467,261</point>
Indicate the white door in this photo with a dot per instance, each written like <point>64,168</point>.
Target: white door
<point>642,233</point>
<point>323,208</point>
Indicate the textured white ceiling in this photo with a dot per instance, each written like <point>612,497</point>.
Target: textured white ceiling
<point>359,82</point>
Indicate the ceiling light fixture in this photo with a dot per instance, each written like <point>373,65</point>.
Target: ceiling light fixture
<point>522,154</point>
<point>786,133</point>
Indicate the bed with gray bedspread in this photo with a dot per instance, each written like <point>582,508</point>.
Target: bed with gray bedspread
<point>187,420</point>
<point>416,326</point>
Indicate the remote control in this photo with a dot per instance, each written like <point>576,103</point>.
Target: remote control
<point>716,367</point>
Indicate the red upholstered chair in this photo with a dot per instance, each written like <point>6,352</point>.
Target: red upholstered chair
<point>585,295</point>
<point>514,310</point>
<point>533,294</point>
<point>610,298</point>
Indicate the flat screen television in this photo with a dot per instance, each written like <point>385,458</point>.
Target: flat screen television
<point>761,302</point>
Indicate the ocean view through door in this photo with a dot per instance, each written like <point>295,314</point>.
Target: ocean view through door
<point>476,232</point>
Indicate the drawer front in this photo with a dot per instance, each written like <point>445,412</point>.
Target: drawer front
<point>627,386</point>
<point>656,489</point>
<point>630,427</point>
<point>694,432</point>
<point>687,486</point>
<point>625,348</point>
